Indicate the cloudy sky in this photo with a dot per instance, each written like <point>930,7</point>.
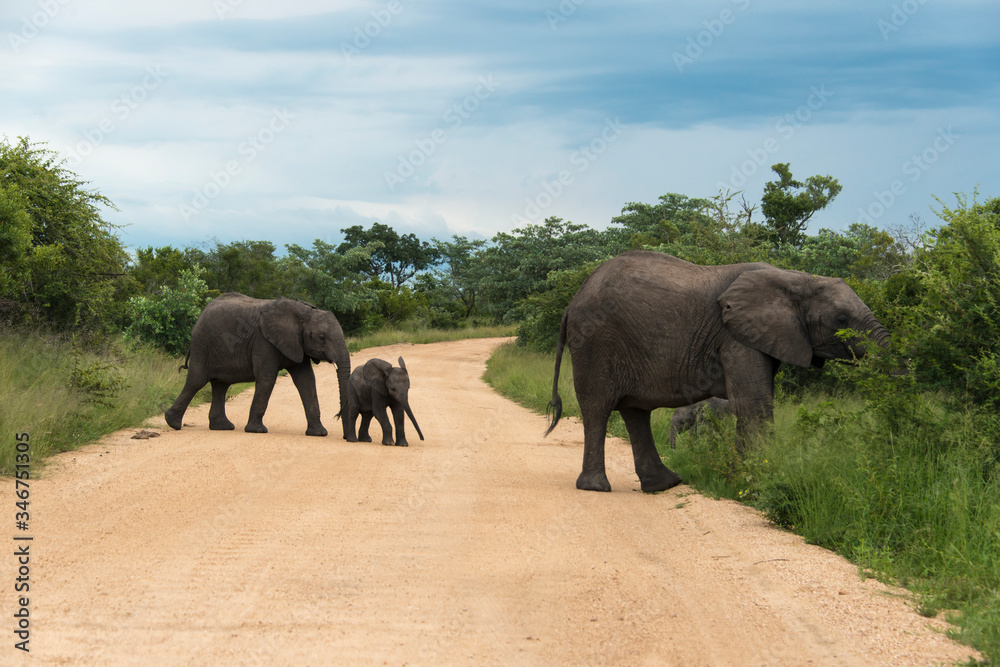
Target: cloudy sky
<point>287,121</point>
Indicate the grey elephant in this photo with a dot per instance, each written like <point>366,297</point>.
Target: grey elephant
<point>648,330</point>
<point>374,388</point>
<point>241,339</point>
<point>690,416</point>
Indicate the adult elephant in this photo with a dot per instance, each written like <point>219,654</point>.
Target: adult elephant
<point>647,330</point>
<point>241,339</point>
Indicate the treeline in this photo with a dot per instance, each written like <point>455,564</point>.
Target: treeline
<point>63,266</point>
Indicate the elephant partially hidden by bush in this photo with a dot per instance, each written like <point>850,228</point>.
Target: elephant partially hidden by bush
<point>647,330</point>
<point>690,416</point>
<point>375,387</point>
<point>241,339</point>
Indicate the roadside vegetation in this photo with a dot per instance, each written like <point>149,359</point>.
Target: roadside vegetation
<point>893,462</point>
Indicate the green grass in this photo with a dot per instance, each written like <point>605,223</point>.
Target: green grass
<point>38,394</point>
<point>899,484</point>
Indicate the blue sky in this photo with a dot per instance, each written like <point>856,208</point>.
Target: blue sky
<point>287,121</point>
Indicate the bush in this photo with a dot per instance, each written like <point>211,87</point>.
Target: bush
<point>951,334</point>
<point>541,313</point>
<point>166,320</point>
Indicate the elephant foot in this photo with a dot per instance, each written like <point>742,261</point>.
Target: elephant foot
<point>173,419</point>
<point>350,438</point>
<point>318,431</point>
<point>387,442</point>
<point>402,443</point>
<point>660,481</point>
<point>364,438</point>
<point>593,480</point>
<point>255,428</point>
<point>221,425</point>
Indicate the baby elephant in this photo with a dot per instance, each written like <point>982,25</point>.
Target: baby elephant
<point>690,416</point>
<point>373,388</point>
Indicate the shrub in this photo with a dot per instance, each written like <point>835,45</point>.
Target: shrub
<point>166,320</point>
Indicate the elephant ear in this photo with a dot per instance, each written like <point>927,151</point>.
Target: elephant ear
<point>281,323</point>
<point>760,310</point>
<point>376,373</point>
<point>401,364</point>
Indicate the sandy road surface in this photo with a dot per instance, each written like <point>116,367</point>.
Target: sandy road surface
<point>471,547</point>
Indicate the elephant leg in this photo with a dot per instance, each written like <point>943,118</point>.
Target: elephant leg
<point>653,475</point>
<point>350,419</point>
<point>175,413</point>
<point>366,420</point>
<point>305,381</point>
<point>750,389</point>
<point>217,420</point>
<point>595,428</point>
<point>261,395</point>
<point>379,407</point>
<point>383,420</point>
<point>397,416</point>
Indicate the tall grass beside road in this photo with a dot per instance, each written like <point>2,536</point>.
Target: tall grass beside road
<point>893,479</point>
<point>64,397</point>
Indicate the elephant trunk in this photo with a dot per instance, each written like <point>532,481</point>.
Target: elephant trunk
<point>881,337</point>
<point>875,331</point>
<point>343,381</point>
<point>409,413</point>
<point>878,333</point>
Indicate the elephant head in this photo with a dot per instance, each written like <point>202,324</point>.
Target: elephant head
<point>392,384</point>
<point>299,331</point>
<point>795,316</point>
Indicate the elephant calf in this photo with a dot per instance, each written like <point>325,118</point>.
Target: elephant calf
<point>373,388</point>
<point>690,416</point>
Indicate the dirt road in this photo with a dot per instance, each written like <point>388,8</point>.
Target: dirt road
<point>472,547</point>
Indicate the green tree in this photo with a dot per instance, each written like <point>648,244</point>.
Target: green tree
<point>951,334</point>
<point>645,225</point>
<point>248,267</point>
<point>714,233</point>
<point>166,318</point>
<point>15,240</point>
<point>334,281</point>
<point>518,264</point>
<point>861,252</point>
<point>154,268</point>
<point>788,204</point>
<point>396,258</point>
<point>72,271</point>
<point>461,272</point>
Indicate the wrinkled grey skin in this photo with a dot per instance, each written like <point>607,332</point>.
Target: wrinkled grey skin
<point>374,388</point>
<point>647,330</point>
<point>690,416</point>
<point>241,339</point>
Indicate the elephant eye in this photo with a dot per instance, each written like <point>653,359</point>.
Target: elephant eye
<point>842,320</point>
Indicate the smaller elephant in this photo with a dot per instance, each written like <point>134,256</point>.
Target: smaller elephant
<point>373,388</point>
<point>690,416</point>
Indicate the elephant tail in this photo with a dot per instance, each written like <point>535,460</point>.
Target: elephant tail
<point>555,405</point>
<point>187,358</point>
